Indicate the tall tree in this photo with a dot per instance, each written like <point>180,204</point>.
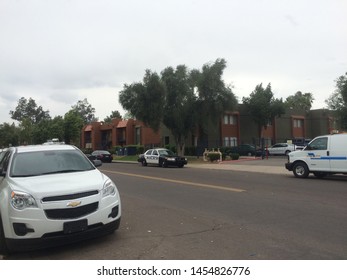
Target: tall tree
<point>338,100</point>
<point>85,110</point>
<point>73,124</point>
<point>178,115</point>
<point>177,96</point>
<point>28,110</point>
<point>146,100</point>
<point>29,116</point>
<point>9,135</point>
<point>300,101</point>
<point>263,107</point>
<point>214,96</point>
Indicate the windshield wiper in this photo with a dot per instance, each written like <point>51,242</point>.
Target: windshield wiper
<point>62,171</point>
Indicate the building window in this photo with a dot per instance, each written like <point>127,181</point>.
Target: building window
<point>226,119</point>
<point>230,119</point>
<point>298,123</point>
<point>230,141</point>
<point>167,140</point>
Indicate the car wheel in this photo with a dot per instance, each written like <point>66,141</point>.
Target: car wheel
<point>300,170</point>
<point>163,164</point>
<point>144,162</point>
<point>3,247</point>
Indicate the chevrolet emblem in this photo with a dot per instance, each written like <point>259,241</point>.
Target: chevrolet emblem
<point>73,203</point>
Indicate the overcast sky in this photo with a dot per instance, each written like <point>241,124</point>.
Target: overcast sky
<point>61,51</point>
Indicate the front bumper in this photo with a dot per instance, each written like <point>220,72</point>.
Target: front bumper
<point>59,238</point>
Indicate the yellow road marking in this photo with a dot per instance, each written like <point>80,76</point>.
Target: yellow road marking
<point>176,181</point>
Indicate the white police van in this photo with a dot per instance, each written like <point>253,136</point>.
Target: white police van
<point>324,155</point>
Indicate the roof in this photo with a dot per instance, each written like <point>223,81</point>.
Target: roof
<point>34,148</point>
<point>122,123</point>
<point>88,128</point>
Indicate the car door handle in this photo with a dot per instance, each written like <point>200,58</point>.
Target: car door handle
<point>328,153</point>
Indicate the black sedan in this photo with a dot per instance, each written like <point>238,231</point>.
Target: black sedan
<point>161,157</point>
<point>104,156</point>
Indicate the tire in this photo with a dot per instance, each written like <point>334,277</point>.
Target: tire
<point>163,164</point>
<point>144,162</point>
<point>3,247</point>
<point>300,170</point>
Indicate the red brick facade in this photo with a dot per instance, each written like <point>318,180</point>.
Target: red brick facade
<point>99,135</point>
<point>234,128</point>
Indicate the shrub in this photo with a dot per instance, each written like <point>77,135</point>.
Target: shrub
<point>234,156</point>
<point>213,156</point>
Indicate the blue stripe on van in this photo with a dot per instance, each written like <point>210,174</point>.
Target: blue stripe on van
<point>329,158</point>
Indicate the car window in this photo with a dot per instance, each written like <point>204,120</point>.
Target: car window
<point>166,153</point>
<point>149,152</point>
<point>318,144</point>
<point>155,153</point>
<point>48,162</point>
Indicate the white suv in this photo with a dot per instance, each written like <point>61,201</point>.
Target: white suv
<point>53,194</point>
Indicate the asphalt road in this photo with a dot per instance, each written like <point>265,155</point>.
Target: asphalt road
<point>219,213</point>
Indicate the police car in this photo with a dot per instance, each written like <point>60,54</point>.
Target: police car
<point>161,157</point>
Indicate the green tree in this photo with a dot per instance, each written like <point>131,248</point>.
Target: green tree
<point>85,110</point>
<point>28,110</point>
<point>214,96</point>
<point>9,135</point>
<point>300,101</point>
<point>114,115</point>
<point>73,124</point>
<point>180,99</point>
<point>338,100</point>
<point>29,115</point>
<point>178,115</point>
<point>49,129</point>
<point>263,107</point>
<point>146,100</point>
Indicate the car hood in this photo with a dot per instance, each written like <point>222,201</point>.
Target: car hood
<point>58,184</point>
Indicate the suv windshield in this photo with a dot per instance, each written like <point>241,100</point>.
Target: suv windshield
<point>48,162</point>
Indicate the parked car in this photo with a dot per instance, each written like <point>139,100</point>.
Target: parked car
<point>52,194</point>
<point>162,157</point>
<point>281,149</point>
<point>246,150</point>
<point>104,156</point>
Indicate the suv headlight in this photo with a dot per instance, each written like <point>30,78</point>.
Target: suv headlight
<point>21,200</point>
<point>109,188</point>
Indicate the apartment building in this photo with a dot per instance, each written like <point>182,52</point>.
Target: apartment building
<point>234,128</point>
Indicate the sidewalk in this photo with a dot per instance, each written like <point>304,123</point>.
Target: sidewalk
<point>273,165</point>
